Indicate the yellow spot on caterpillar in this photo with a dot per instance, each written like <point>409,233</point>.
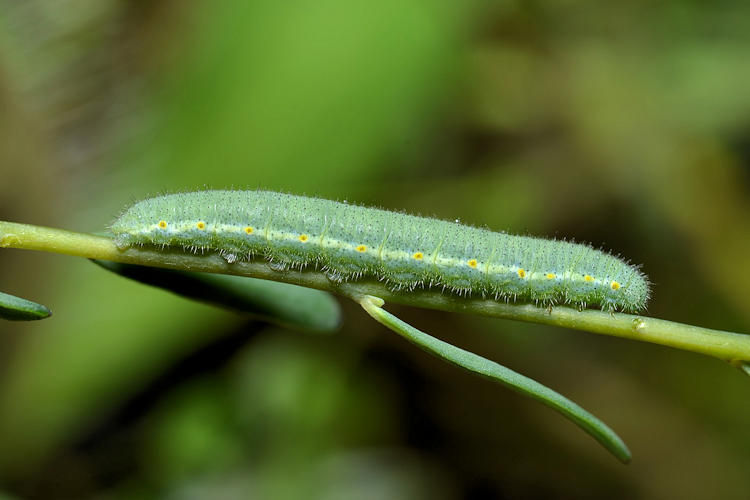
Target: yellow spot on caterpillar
<point>418,255</point>
<point>588,278</point>
<point>522,273</point>
<point>249,230</point>
<point>473,263</point>
<point>162,224</point>
<point>550,276</point>
<point>303,238</point>
<point>615,285</point>
<point>361,248</point>
<point>201,225</point>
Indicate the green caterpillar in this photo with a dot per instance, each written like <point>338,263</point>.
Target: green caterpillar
<point>406,251</point>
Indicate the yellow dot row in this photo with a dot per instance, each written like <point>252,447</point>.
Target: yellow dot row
<point>202,226</point>
<point>417,255</point>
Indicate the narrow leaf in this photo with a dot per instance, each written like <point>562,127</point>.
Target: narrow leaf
<point>18,309</point>
<point>472,362</point>
<point>279,303</point>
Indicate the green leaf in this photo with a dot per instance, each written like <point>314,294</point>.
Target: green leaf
<point>18,309</point>
<point>494,371</point>
<point>279,303</point>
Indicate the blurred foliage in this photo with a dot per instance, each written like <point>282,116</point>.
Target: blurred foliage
<point>625,124</point>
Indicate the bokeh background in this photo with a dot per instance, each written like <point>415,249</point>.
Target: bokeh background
<point>625,124</point>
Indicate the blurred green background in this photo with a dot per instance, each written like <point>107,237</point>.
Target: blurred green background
<point>625,124</point>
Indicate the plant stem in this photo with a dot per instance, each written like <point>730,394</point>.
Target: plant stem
<point>728,346</point>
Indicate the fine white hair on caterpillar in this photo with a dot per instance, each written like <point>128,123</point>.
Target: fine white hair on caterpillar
<point>406,251</point>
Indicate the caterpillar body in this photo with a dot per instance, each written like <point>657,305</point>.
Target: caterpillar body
<point>349,241</point>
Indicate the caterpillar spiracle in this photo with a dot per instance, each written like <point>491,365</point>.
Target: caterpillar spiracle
<point>349,241</point>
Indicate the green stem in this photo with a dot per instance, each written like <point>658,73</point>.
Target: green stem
<point>731,347</point>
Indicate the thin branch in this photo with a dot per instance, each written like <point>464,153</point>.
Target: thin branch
<point>728,346</point>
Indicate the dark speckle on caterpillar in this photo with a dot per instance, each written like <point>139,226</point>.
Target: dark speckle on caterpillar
<point>406,251</point>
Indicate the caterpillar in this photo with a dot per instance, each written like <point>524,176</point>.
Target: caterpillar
<point>349,241</point>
